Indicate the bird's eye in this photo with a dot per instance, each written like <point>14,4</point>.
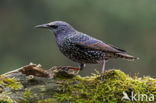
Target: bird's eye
<point>54,26</point>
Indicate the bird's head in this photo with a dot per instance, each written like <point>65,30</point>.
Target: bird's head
<point>57,27</point>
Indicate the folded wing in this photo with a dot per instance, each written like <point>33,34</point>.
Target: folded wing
<point>92,43</point>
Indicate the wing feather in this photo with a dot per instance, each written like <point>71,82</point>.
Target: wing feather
<point>92,43</point>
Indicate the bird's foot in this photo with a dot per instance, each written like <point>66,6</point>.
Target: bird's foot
<point>69,67</point>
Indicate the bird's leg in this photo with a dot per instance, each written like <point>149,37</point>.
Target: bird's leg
<point>81,66</point>
<point>103,70</point>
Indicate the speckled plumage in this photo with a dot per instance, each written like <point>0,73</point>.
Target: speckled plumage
<point>79,53</point>
<point>83,48</point>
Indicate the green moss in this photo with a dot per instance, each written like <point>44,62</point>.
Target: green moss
<point>5,99</point>
<point>47,100</point>
<point>27,93</point>
<point>93,90</point>
<point>10,83</point>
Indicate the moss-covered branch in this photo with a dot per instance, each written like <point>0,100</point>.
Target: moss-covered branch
<point>32,84</point>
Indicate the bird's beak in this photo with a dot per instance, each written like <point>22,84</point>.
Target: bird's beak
<point>42,26</point>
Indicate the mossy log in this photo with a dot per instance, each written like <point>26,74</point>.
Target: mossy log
<point>32,84</point>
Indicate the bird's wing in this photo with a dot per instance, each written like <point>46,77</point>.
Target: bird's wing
<point>92,43</point>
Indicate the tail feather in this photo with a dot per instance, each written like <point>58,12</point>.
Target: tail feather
<point>127,56</point>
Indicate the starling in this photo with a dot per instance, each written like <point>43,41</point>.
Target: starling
<point>82,48</point>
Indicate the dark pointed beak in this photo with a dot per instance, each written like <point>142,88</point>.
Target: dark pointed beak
<point>42,26</point>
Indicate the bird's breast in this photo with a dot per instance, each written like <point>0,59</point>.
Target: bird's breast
<point>80,54</point>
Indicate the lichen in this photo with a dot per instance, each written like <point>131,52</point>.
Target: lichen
<point>93,90</point>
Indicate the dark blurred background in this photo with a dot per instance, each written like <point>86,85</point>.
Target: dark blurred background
<point>128,24</point>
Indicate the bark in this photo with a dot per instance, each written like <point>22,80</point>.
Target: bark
<point>33,84</point>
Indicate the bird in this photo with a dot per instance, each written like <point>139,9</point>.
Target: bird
<point>82,48</point>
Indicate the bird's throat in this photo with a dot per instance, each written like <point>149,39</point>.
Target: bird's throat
<point>59,38</point>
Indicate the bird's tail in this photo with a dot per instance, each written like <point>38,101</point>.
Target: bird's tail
<point>127,56</point>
